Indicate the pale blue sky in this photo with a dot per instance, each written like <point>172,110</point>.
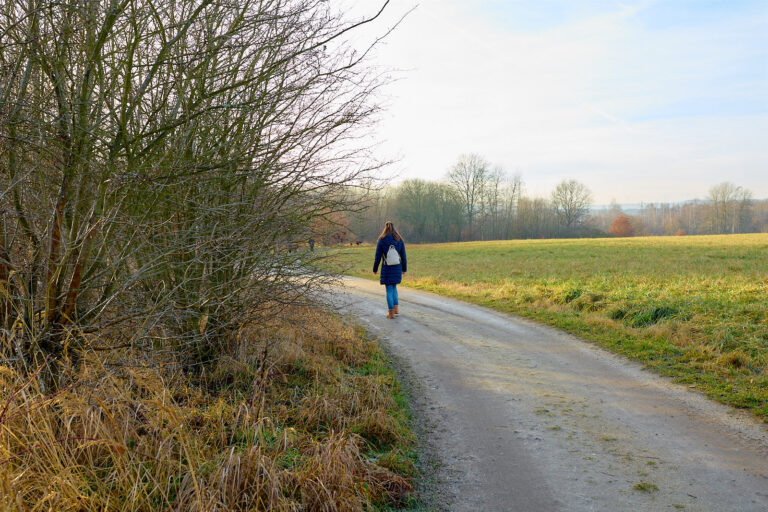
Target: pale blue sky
<point>666,14</point>
<point>640,100</point>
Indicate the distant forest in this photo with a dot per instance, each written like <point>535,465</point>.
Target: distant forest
<point>478,202</point>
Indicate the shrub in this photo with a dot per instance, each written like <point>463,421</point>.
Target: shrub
<point>622,226</point>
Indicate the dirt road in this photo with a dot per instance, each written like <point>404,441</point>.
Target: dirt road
<point>526,418</point>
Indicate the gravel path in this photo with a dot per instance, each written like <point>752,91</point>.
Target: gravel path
<point>526,418</point>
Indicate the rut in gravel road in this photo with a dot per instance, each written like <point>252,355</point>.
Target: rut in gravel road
<point>526,418</point>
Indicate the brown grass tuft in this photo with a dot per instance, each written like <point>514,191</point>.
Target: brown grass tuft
<point>734,360</point>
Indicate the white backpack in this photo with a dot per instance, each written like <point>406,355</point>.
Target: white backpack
<point>392,257</point>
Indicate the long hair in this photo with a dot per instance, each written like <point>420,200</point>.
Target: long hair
<point>389,229</point>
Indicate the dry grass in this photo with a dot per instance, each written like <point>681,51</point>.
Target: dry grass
<point>330,435</point>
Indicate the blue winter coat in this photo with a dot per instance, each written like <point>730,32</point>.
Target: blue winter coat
<point>390,274</point>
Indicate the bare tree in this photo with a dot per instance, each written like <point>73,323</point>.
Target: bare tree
<point>535,218</point>
<point>729,208</point>
<point>511,193</point>
<point>571,201</point>
<point>413,206</point>
<point>157,159</point>
<point>469,176</point>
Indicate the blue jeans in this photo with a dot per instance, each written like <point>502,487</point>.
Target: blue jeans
<point>391,295</point>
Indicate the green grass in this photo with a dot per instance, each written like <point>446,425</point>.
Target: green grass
<point>693,308</point>
<point>645,487</point>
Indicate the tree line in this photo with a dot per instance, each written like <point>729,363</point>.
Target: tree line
<point>477,201</point>
<point>727,209</point>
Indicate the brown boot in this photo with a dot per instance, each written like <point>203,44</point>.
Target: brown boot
<point>391,313</point>
<point>397,311</point>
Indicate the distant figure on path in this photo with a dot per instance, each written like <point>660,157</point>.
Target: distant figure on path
<point>312,244</point>
<point>391,249</point>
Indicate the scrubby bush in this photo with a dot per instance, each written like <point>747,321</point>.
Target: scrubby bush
<point>163,167</point>
<point>622,226</point>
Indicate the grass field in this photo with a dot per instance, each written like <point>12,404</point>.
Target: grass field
<point>694,308</point>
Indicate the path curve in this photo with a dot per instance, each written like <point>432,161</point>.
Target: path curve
<point>527,418</point>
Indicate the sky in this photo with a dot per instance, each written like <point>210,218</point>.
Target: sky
<point>640,100</point>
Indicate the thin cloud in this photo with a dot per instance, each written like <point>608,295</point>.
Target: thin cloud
<point>637,109</point>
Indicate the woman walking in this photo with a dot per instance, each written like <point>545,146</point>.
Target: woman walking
<point>391,249</point>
